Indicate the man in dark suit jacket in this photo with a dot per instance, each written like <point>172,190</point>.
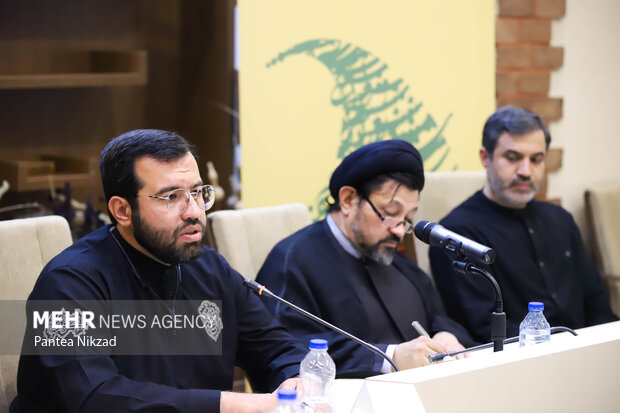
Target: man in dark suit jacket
<point>346,269</point>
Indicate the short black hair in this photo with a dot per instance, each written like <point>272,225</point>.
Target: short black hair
<point>118,159</point>
<point>407,179</point>
<point>513,120</point>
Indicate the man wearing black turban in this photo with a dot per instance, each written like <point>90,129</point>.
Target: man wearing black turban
<point>346,268</point>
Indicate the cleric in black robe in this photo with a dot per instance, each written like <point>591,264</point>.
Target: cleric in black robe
<point>167,267</point>
<point>345,268</point>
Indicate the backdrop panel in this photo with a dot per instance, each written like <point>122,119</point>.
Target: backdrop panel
<point>320,78</point>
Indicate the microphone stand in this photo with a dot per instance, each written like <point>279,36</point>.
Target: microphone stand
<point>498,317</point>
<point>439,356</point>
<point>261,290</point>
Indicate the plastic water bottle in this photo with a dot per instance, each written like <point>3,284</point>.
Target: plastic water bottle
<point>317,371</point>
<point>287,401</point>
<point>534,328</point>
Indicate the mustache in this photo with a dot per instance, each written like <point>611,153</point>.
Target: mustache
<point>519,180</point>
<point>189,222</point>
<point>389,238</point>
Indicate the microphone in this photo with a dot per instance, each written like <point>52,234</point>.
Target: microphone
<point>465,249</point>
<point>437,236</point>
<point>262,290</point>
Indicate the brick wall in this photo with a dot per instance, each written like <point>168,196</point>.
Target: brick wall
<point>525,57</point>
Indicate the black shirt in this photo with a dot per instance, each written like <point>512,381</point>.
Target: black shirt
<point>540,257</point>
<point>95,268</point>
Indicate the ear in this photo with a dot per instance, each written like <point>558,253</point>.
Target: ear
<point>121,210</point>
<point>484,157</point>
<point>348,199</point>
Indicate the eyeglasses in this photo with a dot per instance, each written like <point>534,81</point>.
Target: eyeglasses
<point>178,200</point>
<point>389,221</point>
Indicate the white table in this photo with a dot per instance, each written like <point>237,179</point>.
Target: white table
<point>569,374</point>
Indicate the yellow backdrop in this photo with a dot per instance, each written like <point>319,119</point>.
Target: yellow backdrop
<point>320,78</point>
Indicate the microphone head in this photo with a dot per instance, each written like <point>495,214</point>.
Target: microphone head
<point>422,230</point>
<point>489,256</point>
<point>251,284</point>
<point>257,288</point>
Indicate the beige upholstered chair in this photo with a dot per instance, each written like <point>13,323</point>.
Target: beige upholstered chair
<point>603,205</point>
<point>26,245</point>
<point>443,191</point>
<point>245,236</point>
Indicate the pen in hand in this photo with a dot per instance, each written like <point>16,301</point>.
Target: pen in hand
<point>418,327</point>
<point>433,357</point>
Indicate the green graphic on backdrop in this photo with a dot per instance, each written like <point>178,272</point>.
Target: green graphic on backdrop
<point>375,106</point>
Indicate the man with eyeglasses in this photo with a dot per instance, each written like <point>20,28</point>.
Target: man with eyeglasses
<point>153,253</point>
<point>347,270</point>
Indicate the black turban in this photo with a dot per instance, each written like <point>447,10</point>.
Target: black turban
<point>374,159</point>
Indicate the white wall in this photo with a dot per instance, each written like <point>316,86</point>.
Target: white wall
<point>589,83</point>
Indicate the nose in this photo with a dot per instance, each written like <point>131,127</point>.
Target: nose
<point>192,210</point>
<point>525,168</point>
<point>398,230</point>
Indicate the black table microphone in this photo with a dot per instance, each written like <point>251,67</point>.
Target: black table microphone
<point>437,236</point>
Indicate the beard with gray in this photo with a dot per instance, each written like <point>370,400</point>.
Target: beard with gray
<point>500,190</point>
<point>376,252</point>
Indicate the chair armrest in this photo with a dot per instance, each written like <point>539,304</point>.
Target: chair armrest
<point>611,277</point>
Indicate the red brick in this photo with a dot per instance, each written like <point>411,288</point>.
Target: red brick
<point>548,57</point>
<point>513,57</point>
<point>506,30</point>
<point>534,83</point>
<point>506,83</point>
<point>536,30</point>
<point>516,8</point>
<point>550,8</point>
<point>549,109</point>
<point>521,103</point>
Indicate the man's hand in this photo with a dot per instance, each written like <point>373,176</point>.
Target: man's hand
<point>451,343</point>
<point>259,403</point>
<point>292,383</point>
<point>414,353</point>
<point>247,402</point>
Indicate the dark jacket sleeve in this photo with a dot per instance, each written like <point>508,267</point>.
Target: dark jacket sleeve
<point>92,383</point>
<point>284,275</point>
<point>266,351</point>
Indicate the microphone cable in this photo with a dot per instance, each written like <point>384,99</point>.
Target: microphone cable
<point>263,291</point>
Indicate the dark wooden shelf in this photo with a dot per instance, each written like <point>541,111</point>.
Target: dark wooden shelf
<point>78,69</point>
<point>35,175</point>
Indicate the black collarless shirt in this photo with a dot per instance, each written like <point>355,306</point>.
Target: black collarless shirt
<point>540,257</point>
<point>100,267</point>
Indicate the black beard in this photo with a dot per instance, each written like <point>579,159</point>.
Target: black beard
<point>154,241</point>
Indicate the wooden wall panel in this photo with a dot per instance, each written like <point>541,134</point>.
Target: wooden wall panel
<point>189,47</point>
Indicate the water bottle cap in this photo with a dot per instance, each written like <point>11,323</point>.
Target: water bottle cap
<point>318,344</point>
<point>287,394</point>
<point>535,306</point>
